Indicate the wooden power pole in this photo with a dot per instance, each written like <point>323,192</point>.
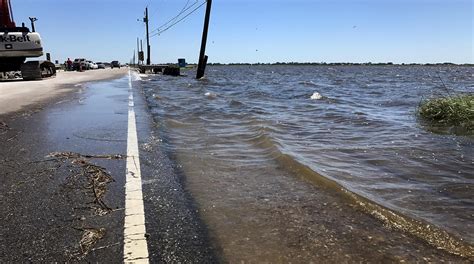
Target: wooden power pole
<point>148,48</point>
<point>202,56</point>
<point>138,51</point>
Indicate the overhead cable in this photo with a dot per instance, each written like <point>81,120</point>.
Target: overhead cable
<point>173,19</point>
<point>176,22</point>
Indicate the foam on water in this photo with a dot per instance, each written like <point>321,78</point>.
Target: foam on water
<point>316,96</point>
<point>136,76</point>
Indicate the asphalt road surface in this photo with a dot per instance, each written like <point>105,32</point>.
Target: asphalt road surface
<point>63,171</point>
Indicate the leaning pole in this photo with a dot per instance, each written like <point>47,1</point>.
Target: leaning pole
<point>202,56</point>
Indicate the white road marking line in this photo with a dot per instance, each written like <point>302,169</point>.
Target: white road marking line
<point>135,248</point>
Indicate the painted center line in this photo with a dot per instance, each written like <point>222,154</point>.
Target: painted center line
<point>135,245</point>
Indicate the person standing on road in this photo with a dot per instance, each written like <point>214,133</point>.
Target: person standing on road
<point>69,64</point>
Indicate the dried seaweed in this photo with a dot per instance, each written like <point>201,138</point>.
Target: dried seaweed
<point>90,237</point>
<point>4,126</point>
<point>94,179</point>
<point>74,155</point>
<point>97,177</point>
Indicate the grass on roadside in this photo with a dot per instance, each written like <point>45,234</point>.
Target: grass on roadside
<point>453,110</point>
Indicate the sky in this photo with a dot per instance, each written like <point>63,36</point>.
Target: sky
<point>399,31</point>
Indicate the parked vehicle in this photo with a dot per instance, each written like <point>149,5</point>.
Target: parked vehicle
<point>115,64</point>
<point>100,65</point>
<point>93,66</point>
<point>79,63</point>
<point>89,65</point>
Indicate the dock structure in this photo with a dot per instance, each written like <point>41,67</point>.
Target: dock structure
<point>155,68</point>
<point>160,68</point>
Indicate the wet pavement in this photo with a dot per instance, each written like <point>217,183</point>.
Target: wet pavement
<point>63,176</point>
<point>176,232</point>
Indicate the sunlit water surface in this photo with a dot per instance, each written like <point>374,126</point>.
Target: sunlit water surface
<point>354,125</point>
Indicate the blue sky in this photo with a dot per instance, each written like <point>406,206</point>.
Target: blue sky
<point>260,30</point>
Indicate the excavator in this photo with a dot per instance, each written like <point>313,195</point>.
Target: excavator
<point>19,43</point>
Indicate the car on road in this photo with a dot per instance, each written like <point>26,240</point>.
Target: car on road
<point>115,64</point>
<point>93,66</point>
<point>79,64</point>
<point>90,65</point>
<point>100,65</point>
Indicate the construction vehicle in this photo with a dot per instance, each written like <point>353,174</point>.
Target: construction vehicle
<point>17,44</point>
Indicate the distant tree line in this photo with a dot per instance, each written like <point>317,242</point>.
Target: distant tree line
<point>346,64</point>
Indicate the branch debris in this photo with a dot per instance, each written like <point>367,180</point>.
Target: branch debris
<point>4,126</point>
<point>73,155</point>
<point>97,177</point>
<point>90,237</point>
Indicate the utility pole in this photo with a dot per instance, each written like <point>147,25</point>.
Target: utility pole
<point>148,61</point>
<point>138,51</point>
<point>202,56</point>
<point>142,56</point>
<point>33,19</point>
<point>133,58</point>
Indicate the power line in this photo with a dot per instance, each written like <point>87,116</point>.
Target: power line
<point>170,26</point>
<point>184,9</point>
<point>149,2</point>
<point>173,19</point>
<point>180,12</point>
<point>154,11</point>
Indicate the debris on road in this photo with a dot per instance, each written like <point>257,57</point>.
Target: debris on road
<point>73,155</point>
<point>97,177</point>
<point>90,238</point>
<point>94,179</point>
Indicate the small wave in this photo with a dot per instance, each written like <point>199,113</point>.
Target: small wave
<point>460,191</point>
<point>173,123</point>
<point>419,228</point>
<point>308,83</point>
<point>210,95</point>
<point>235,103</point>
<point>262,140</point>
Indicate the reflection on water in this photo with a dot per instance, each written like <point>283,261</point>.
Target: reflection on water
<point>241,135</point>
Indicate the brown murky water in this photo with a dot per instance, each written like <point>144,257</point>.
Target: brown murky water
<point>351,176</point>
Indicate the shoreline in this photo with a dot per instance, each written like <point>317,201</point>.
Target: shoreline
<point>335,64</point>
<point>20,96</point>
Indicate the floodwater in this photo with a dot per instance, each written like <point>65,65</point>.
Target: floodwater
<point>294,163</point>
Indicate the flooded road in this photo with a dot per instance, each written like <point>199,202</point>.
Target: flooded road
<point>349,175</point>
<point>48,204</point>
<point>228,176</point>
<point>62,170</point>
